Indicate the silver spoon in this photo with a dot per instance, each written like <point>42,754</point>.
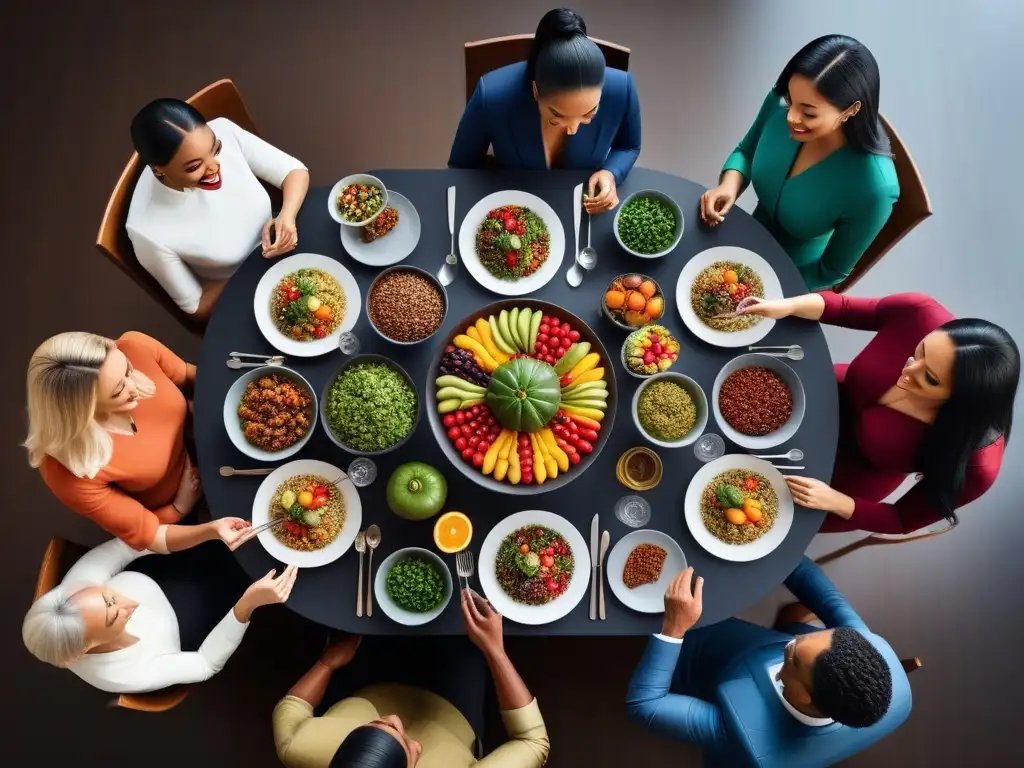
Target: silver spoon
<point>446,275</point>
<point>793,354</point>
<point>794,455</point>
<point>235,364</point>
<point>372,541</point>
<point>777,347</point>
<point>360,548</point>
<point>229,471</point>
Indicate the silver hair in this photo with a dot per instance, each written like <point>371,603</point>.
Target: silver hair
<point>54,630</point>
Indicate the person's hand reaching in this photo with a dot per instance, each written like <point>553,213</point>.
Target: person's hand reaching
<point>340,652</point>
<point>483,623</point>
<point>602,194</point>
<point>233,531</point>
<point>716,203</point>
<point>682,607</point>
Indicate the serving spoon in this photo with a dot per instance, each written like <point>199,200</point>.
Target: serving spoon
<point>794,455</point>
<point>372,542</point>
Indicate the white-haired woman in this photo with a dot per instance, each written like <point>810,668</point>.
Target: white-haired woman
<point>107,432</point>
<point>120,621</point>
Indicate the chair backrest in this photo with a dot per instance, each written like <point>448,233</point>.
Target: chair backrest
<point>59,556</point>
<point>483,56</point>
<point>220,99</point>
<point>911,209</point>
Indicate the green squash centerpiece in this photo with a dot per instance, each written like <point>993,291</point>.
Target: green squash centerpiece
<point>524,394</point>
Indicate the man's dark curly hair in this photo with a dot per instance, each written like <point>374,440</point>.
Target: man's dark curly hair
<point>851,681</point>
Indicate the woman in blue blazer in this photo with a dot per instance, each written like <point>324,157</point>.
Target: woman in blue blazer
<point>589,116</point>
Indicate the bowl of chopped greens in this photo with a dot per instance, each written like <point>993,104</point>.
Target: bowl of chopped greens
<point>648,224</point>
<point>412,586</point>
<point>370,406</point>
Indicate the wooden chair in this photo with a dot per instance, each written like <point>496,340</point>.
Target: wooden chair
<point>798,613</point>
<point>911,209</point>
<point>483,56</point>
<point>58,558</point>
<point>220,99</point>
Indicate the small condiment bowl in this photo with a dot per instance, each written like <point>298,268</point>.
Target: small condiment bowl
<point>621,469</point>
<point>796,389</point>
<point>700,403</point>
<point>432,279</point>
<point>355,178</point>
<point>390,608</point>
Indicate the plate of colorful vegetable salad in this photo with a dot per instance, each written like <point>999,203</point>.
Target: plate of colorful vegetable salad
<point>303,303</point>
<point>547,580</point>
<point>511,242</point>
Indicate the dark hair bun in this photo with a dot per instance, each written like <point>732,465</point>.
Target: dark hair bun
<point>562,57</point>
<point>159,128</point>
<point>561,22</point>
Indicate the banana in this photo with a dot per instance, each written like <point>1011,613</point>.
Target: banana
<point>573,355</point>
<point>589,413</point>
<point>588,363</point>
<point>573,389</point>
<point>459,383</point>
<point>597,405</point>
<point>483,330</point>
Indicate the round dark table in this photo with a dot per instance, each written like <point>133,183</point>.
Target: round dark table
<point>327,595</point>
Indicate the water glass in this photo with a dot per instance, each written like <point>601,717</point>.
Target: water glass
<point>709,447</point>
<point>348,343</point>
<point>634,511</point>
<point>362,472</point>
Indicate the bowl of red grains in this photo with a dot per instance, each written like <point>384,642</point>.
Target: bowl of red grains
<point>758,401</point>
<point>406,305</point>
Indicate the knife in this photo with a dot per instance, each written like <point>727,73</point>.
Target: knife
<point>605,541</point>
<point>595,533</point>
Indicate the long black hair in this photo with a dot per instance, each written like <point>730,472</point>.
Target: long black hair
<point>160,127</point>
<point>986,372</point>
<point>562,57</point>
<point>844,72</point>
<point>369,747</point>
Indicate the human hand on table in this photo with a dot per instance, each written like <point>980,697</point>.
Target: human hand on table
<point>286,236</point>
<point>716,203</point>
<point>190,489</point>
<point>602,194</point>
<point>339,653</point>
<point>233,531</point>
<point>269,590</point>
<point>814,494</point>
<point>776,309</point>
<point>483,623</point>
<point>682,607</point>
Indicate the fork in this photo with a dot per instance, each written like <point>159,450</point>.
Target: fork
<point>464,565</point>
<point>267,526</point>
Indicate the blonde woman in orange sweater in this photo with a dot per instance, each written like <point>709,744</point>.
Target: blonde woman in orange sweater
<point>107,433</point>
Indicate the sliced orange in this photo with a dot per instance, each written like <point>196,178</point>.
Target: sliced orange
<point>452,532</point>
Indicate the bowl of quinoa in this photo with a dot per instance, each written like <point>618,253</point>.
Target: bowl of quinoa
<point>670,409</point>
<point>406,305</point>
<point>758,401</point>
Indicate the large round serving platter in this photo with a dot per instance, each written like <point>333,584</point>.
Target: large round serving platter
<point>268,283</point>
<point>467,243</point>
<point>703,260</point>
<point>395,245</point>
<point>738,553</point>
<point>440,432</point>
<point>318,557</point>
<point>561,605</point>
<point>647,598</point>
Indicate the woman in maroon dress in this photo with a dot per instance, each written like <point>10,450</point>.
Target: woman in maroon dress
<point>929,394</point>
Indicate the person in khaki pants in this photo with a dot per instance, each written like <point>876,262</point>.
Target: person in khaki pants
<point>425,711</point>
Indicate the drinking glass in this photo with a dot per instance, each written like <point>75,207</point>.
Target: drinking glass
<point>348,343</point>
<point>633,510</point>
<point>362,472</point>
<point>709,447</point>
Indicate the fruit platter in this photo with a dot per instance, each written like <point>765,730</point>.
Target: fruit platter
<point>521,396</point>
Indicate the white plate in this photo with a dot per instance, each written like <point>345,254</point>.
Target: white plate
<point>703,260</point>
<point>476,216</point>
<point>274,275</point>
<point>560,606</point>
<point>738,553</point>
<point>318,557</point>
<point>647,598</point>
<point>395,245</point>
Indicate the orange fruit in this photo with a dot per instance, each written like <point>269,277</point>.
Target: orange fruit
<point>452,532</point>
<point>636,301</point>
<point>735,516</point>
<point>655,306</point>
<point>614,299</point>
<point>647,288</point>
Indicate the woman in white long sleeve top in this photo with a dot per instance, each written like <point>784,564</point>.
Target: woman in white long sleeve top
<point>198,209</point>
<point>119,631</point>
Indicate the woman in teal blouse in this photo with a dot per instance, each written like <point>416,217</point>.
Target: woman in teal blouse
<point>819,160</point>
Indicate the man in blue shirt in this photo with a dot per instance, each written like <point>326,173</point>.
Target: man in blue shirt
<point>759,697</point>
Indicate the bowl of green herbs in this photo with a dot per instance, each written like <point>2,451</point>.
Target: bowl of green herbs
<point>412,586</point>
<point>648,224</point>
<point>370,406</point>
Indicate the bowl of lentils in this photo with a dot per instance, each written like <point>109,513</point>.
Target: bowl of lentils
<point>758,401</point>
<point>357,200</point>
<point>670,409</point>
<point>413,586</point>
<point>648,224</point>
<point>370,406</point>
<point>406,305</point>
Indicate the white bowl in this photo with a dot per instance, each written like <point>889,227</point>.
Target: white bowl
<point>700,403</point>
<point>647,598</point>
<point>386,604</point>
<point>355,178</point>
<point>796,389</point>
<point>318,557</point>
<point>656,195</point>
<point>467,243</point>
<point>703,260</point>
<point>232,424</point>
<point>395,246</point>
<point>738,553</point>
<point>534,614</point>
<point>274,275</point>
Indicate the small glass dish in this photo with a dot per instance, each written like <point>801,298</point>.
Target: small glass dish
<point>634,511</point>
<point>709,447</point>
<point>632,469</point>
